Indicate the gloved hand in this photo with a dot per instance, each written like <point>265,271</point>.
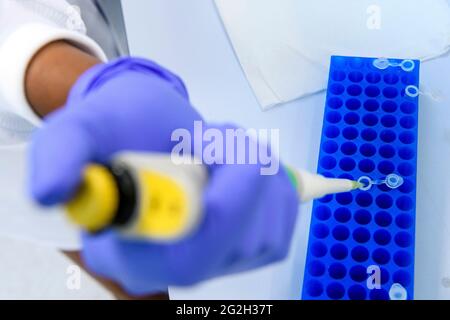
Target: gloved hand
<point>134,104</point>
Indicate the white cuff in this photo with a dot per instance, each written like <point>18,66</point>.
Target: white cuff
<point>16,53</point>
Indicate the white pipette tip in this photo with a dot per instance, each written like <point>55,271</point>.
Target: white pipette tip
<point>312,186</point>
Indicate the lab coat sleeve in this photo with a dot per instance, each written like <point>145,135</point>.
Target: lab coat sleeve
<point>26,26</point>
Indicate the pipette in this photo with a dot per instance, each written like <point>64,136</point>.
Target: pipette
<point>152,196</point>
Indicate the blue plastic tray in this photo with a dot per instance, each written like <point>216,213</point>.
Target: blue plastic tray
<point>370,129</point>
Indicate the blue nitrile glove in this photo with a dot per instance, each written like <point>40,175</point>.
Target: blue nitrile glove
<point>134,104</point>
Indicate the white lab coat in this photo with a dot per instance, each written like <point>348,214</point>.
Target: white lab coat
<point>25,27</point>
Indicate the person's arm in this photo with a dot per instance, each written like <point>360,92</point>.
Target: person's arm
<point>49,77</point>
<point>136,105</point>
<point>52,73</point>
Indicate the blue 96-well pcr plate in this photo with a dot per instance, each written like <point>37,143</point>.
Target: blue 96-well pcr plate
<point>362,243</point>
